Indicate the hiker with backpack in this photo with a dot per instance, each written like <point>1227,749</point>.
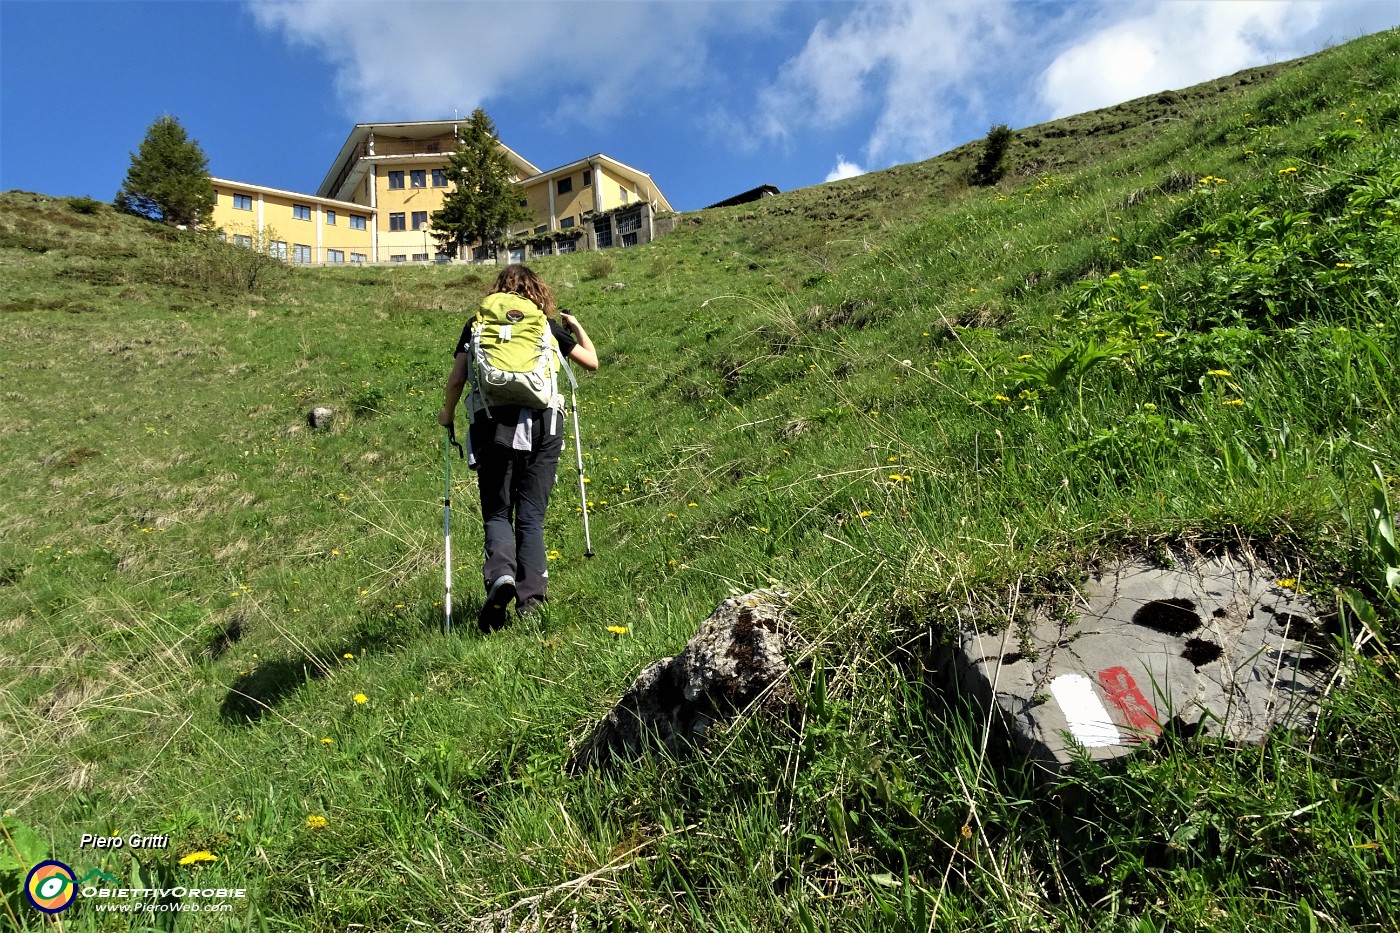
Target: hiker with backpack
<point>508,360</point>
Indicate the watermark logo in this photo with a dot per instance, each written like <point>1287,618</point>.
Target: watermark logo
<point>51,887</point>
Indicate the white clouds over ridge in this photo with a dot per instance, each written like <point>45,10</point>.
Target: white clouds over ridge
<point>403,59</point>
<point>1162,46</point>
<point>911,65</point>
<point>886,80</point>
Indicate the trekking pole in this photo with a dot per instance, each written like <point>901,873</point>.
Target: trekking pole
<point>447,520</point>
<point>578,451</point>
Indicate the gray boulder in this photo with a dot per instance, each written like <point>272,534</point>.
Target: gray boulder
<point>1211,643</point>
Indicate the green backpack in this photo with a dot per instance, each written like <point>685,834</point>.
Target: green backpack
<point>513,356</point>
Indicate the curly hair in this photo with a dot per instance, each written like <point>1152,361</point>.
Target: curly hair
<point>520,280</point>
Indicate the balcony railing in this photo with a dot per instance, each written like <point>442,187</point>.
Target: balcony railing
<point>393,146</point>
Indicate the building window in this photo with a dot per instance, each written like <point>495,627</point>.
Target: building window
<point>517,254</point>
<point>301,253</point>
<point>330,218</point>
<point>566,223</point>
<point>335,255</point>
<point>567,246</point>
<point>622,193</point>
<point>565,185</point>
<point>397,257</point>
<point>629,222</point>
<point>357,259</point>
<point>602,231</point>
<point>542,228</point>
<point>440,256</point>
<point>629,239</point>
<point>524,202</point>
<point>395,180</point>
<point>587,177</point>
<point>418,178</point>
<point>357,222</point>
<point>301,212</point>
<point>541,249</point>
<point>277,249</point>
<point>396,221</point>
<point>478,253</point>
<point>420,220</point>
<point>439,178</point>
<point>244,241</point>
<point>420,257</point>
<point>243,202</point>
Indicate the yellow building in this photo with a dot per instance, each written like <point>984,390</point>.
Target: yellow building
<point>377,199</point>
<point>397,172</point>
<point>299,228</point>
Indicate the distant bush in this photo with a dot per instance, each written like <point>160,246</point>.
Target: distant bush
<point>85,205</point>
<point>203,261</point>
<point>991,165</point>
<point>598,267</point>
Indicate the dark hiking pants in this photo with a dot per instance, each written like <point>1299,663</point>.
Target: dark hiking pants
<point>515,487</point>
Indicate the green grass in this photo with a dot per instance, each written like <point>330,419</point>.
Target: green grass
<point>900,397</point>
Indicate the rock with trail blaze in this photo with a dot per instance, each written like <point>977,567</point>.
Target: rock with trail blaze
<point>733,663</point>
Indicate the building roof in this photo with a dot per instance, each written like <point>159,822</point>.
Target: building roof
<point>620,168</point>
<point>753,194</point>
<point>344,176</point>
<point>292,195</point>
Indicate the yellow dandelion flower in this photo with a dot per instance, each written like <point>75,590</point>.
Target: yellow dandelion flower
<point>1288,171</point>
<point>316,822</point>
<point>865,514</point>
<point>1234,401</point>
<point>1217,372</point>
<point>1156,258</point>
<point>618,629</point>
<point>690,505</point>
<point>1343,265</point>
<point>896,478</point>
<point>361,698</point>
<point>328,741</point>
<point>891,459</point>
<point>1000,398</point>
<point>1024,356</point>
<point>348,656</point>
<point>203,855</point>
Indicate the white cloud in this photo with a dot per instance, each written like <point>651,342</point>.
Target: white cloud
<point>422,60</point>
<point>910,66</point>
<point>1161,46</point>
<point>844,169</point>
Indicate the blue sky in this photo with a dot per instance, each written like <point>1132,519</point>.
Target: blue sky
<point>711,97</point>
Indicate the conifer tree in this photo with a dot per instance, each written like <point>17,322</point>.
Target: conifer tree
<point>483,202</point>
<point>168,179</point>
<point>991,165</point>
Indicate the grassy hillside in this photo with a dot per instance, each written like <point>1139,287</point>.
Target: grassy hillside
<point>1172,323</point>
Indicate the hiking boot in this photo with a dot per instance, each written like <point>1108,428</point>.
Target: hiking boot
<point>530,609</point>
<point>498,597</point>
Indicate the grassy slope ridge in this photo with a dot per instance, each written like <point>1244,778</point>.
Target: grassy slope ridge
<point>1173,322</point>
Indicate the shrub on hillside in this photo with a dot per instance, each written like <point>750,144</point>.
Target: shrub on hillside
<point>991,165</point>
<point>203,261</point>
